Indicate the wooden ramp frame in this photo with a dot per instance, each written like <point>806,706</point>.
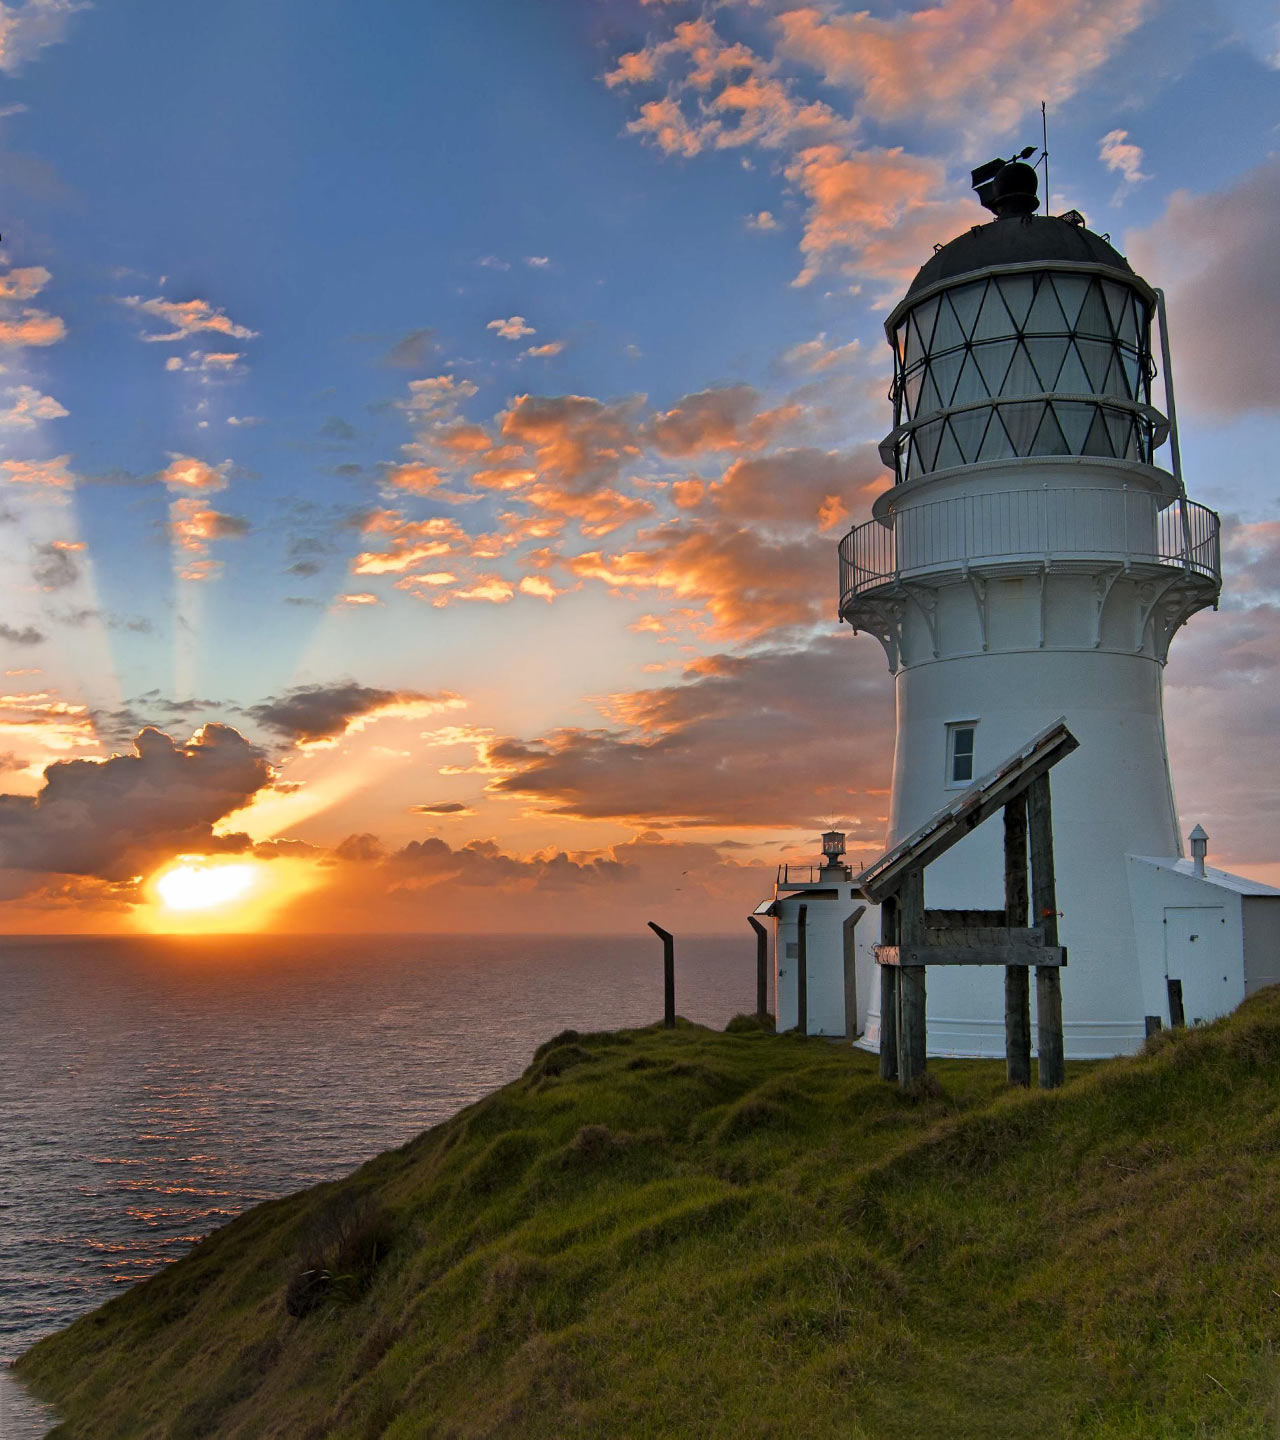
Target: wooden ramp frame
<point>913,938</point>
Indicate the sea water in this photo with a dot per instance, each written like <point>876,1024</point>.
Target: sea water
<point>151,1089</point>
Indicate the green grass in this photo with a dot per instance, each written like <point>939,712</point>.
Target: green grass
<point>743,1235</point>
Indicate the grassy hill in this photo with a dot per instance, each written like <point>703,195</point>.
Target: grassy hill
<point>745,1235</point>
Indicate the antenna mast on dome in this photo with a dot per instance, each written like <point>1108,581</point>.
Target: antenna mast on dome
<point>1044,155</point>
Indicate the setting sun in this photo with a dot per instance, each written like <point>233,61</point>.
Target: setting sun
<point>194,885</point>
<point>210,894</point>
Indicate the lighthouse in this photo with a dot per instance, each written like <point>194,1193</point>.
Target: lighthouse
<point>1034,560</point>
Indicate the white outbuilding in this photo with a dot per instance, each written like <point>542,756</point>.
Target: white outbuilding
<point>821,924</point>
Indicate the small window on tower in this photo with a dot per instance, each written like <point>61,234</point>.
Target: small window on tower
<point>960,753</point>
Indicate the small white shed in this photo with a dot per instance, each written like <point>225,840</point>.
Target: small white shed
<point>1206,938</point>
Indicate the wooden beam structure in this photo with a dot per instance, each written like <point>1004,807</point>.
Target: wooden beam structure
<point>912,937</point>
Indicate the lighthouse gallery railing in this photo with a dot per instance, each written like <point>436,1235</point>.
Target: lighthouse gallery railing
<point>1125,527</point>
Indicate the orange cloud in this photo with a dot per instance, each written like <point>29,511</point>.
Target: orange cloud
<point>416,479</point>
<point>980,64</point>
<point>23,282</point>
<point>740,741</point>
<point>28,406</point>
<point>726,418</point>
<point>186,473</point>
<point>53,473</point>
<point>410,542</point>
<point>187,317</point>
<point>575,439</point>
<point>32,327</point>
<point>748,584</point>
<point>866,204</point>
<point>513,328</point>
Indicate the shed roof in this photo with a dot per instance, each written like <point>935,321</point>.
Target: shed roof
<point>1224,879</point>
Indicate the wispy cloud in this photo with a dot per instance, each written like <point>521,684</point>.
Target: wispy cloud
<point>187,317</point>
<point>26,29</point>
<point>1118,153</point>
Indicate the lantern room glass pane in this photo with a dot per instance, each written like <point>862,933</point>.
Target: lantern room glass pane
<point>1071,292</point>
<point>968,427</point>
<point>1093,318</point>
<point>993,361</point>
<point>993,319</point>
<point>1018,292</point>
<point>1045,316</point>
<point>947,332</point>
<point>946,370</point>
<point>965,300</point>
<point>1072,379</point>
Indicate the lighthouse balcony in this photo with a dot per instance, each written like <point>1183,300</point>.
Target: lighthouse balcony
<point>1130,530</point>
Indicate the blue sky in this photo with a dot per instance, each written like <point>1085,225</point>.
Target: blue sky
<point>360,223</point>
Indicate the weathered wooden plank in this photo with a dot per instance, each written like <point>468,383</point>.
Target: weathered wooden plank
<point>762,967</point>
<point>1017,986</point>
<point>889,995</point>
<point>912,1040</point>
<point>911,957</point>
<point>849,936</point>
<point>947,919</point>
<point>1044,912</point>
<point>950,825</point>
<point>976,936</point>
<point>802,971</point>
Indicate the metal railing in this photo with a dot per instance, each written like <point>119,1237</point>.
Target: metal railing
<point>808,874</point>
<point>1123,527</point>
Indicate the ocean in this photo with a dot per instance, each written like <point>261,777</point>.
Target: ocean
<point>152,1088</point>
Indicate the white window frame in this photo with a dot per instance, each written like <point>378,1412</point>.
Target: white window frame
<point>953,729</point>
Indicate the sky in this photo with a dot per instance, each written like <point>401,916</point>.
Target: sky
<point>426,429</point>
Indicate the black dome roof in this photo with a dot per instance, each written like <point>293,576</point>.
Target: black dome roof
<point>1016,240</point>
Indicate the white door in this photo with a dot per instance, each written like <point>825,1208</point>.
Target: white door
<point>1196,954</point>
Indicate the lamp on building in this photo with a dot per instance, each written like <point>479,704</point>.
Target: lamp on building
<point>1199,848</point>
<point>832,847</point>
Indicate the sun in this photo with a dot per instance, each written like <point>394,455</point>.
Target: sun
<point>195,884</point>
<point>223,894</point>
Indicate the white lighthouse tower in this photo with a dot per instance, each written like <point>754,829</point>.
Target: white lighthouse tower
<point>1033,561</point>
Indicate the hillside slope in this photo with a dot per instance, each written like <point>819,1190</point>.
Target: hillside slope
<point>742,1234</point>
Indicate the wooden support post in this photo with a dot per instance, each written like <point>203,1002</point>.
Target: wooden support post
<point>802,971</point>
<point>1154,1025</point>
<point>851,973</point>
<point>1177,1015</point>
<point>762,967</point>
<point>1044,909</point>
<point>668,974</point>
<point>889,993</point>
<point>911,986</point>
<point>1017,979</point>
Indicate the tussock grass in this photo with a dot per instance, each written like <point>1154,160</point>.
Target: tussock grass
<point>744,1235</point>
